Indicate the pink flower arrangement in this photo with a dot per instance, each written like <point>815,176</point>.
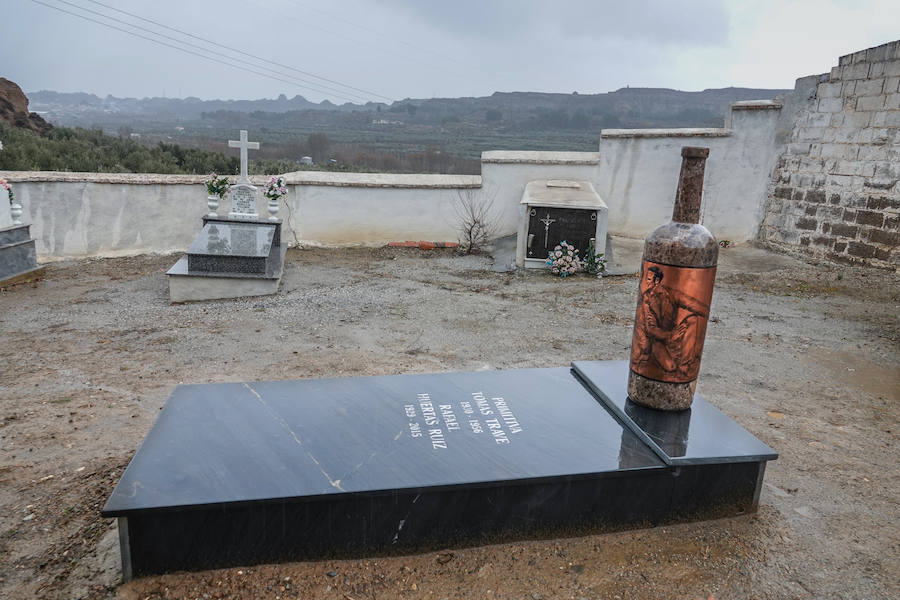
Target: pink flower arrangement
<point>5,185</point>
<point>563,260</point>
<point>275,188</point>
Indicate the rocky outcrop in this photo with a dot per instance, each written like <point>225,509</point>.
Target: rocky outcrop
<point>14,109</point>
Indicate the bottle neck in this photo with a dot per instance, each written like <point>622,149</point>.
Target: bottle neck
<point>690,185</point>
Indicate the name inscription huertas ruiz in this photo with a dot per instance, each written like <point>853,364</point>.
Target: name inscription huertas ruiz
<point>437,422</point>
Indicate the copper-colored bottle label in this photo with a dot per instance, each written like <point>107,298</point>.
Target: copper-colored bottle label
<point>670,324</point>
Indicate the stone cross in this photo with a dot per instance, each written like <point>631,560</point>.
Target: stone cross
<point>244,145</point>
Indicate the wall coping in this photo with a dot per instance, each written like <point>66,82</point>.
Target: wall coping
<point>757,105</point>
<point>538,157</point>
<point>383,180</point>
<point>374,180</point>
<point>681,132</point>
<point>115,178</point>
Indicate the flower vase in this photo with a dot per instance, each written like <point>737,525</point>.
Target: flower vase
<point>15,211</point>
<point>273,209</point>
<point>212,202</point>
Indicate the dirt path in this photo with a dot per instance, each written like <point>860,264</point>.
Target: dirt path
<point>806,357</point>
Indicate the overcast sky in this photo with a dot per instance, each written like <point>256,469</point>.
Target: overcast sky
<point>394,49</point>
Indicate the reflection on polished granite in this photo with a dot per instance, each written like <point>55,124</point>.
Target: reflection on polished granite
<point>701,434</point>
<point>235,239</point>
<point>231,247</point>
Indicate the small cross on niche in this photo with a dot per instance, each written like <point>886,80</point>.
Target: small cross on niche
<point>547,221</point>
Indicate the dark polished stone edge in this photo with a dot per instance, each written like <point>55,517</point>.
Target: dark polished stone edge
<point>17,243</point>
<point>389,492</point>
<point>13,227</point>
<point>628,422</point>
<point>274,268</point>
<point>225,219</point>
<point>367,527</point>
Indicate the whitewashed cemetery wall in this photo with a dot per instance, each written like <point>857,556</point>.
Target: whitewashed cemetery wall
<point>77,215</point>
<point>638,172</point>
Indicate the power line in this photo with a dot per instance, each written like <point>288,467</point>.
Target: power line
<point>370,93</point>
<point>175,47</point>
<point>320,87</point>
<point>178,47</point>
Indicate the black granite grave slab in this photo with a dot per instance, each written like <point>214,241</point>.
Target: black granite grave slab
<point>701,434</point>
<point>231,247</point>
<point>242,473</point>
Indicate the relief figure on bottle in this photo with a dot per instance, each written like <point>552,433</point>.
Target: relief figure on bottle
<point>670,323</point>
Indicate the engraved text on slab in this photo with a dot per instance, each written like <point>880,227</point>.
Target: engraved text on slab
<point>438,422</point>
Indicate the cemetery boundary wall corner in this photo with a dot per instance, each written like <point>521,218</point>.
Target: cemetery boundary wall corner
<point>835,192</point>
<point>815,172</point>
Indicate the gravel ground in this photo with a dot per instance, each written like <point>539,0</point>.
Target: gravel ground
<point>805,356</point>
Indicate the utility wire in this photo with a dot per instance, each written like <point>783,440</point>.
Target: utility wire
<point>370,93</point>
<point>155,41</point>
<point>320,87</point>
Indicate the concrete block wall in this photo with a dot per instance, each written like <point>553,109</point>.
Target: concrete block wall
<point>835,191</point>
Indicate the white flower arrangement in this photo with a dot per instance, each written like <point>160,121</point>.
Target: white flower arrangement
<point>275,188</point>
<point>217,186</point>
<point>563,260</point>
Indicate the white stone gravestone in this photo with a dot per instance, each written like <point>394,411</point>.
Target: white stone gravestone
<point>5,217</point>
<point>243,195</point>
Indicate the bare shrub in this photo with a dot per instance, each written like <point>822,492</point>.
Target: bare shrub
<point>476,219</point>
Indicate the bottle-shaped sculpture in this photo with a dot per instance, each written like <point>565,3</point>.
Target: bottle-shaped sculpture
<point>677,275</point>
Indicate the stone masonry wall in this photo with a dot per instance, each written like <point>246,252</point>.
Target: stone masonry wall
<point>835,192</point>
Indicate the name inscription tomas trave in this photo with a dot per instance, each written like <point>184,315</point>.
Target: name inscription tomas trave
<point>438,423</point>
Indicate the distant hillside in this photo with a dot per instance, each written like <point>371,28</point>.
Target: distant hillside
<point>437,135</point>
<point>627,107</point>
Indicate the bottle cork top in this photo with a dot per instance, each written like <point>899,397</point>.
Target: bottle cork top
<point>694,152</point>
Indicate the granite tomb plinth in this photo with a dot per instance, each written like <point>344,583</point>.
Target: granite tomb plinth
<point>241,473</point>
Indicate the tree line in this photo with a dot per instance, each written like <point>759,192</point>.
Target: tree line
<point>75,149</point>
<point>90,150</point>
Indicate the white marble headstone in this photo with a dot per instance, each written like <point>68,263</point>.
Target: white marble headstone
<point>243,198</point>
